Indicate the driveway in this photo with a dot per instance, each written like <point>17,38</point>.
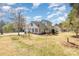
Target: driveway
<point>5,34</point>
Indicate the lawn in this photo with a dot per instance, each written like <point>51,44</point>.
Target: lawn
<point>38,45</point>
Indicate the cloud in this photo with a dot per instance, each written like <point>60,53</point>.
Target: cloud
<point>60,18</point>
<point>53,14</point>
<point>54,5</point>
<point>5,8</point>
<point>35,5</point>
<point>6,4</point>
<point>57,11</point>
<point>62,8</point>
<point>50,16</point>
<point>65,14</point>
<point>21,8</point>
<point>57,7</point>
<point>11,3</point>
<point>27,18</point>
<point>37,18</point>
<point>13,10</point>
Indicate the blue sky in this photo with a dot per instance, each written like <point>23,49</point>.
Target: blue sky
<point>54,12</point>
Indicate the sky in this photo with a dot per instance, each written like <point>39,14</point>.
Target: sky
<point>54,12</point>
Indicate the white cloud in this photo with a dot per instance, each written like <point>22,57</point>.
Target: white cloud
<point>35,5</point>
<point>53,14</point>
<point>5,8</point>
<point>62,8</point>
<point>57,11</point>
<point>54,5</point>
<point>62,18</point>
<point>50,16</point>
<point>65,14</point>
<point>55,8</point>
<point>27,18</point>
<point>21,8</point>
<point>37,18</point>
<point>11,3</point>
<point>6,4</point>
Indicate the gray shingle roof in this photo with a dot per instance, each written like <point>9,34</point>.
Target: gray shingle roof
<point>39,24</point>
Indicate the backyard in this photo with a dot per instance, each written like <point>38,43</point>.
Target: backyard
<point>38,45</point>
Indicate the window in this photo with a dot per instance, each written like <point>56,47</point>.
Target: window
<point>36,30</point>
<point>31,24</point>
<point>32,30</point>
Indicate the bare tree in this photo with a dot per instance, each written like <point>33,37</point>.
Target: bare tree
<point>2,23</point>
<point>18,20</point>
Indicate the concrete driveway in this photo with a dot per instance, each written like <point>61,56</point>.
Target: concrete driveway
<point>6,34</point>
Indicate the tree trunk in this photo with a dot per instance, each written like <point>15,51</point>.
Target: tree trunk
<point>18,32</point>
<point>24,32</point>
<point>76,34</point>
<point>1,31</point>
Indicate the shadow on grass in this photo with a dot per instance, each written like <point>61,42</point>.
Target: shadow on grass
<point>71,44</point>
<point>74,36</point>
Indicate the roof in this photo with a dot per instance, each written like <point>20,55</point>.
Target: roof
<point>47,23</point>
<point>43,24</point>
<point>39,24</point>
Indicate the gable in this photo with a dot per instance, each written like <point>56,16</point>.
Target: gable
<point>33,25</point>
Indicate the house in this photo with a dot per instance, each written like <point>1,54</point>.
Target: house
<point>40,27</point>
<point>55,29</point>
<point>36,27</point>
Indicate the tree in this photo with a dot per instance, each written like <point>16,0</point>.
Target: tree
<point>65,26</point>
<point>2,23</point>
<point>18,20</point>
<point>74,18</point>
<point>8,27</point>
<point>72,22</point>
